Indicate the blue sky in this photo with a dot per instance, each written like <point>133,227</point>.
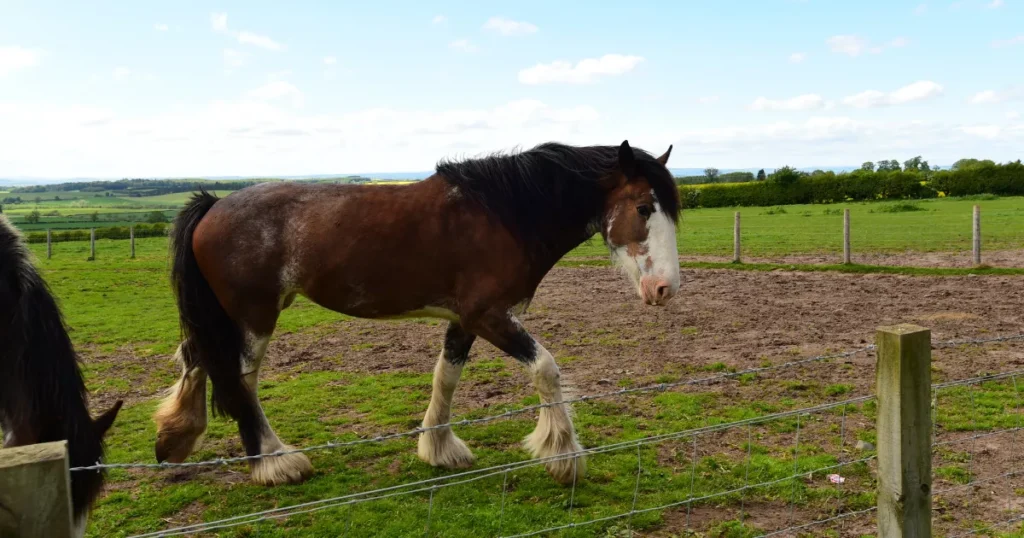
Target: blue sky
<point>112,89</point>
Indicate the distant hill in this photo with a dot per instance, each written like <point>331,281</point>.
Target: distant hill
<point>10,182</point>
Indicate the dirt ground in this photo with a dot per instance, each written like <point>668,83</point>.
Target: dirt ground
<point>995,258</point>
<point>605,337</point>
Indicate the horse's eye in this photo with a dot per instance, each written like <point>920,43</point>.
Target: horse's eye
<point>644,210</point>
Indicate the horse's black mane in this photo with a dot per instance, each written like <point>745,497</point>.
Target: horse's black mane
<point>550,183</point>
<point>41,386</point>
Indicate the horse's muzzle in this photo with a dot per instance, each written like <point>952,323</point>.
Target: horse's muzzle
<point>656,291</point>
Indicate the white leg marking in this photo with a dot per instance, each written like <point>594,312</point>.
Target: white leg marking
<point>288,468</point>
<point>440,447</point>
<point>554,434</point>
<point>78,528</point>
<point>181,417</point>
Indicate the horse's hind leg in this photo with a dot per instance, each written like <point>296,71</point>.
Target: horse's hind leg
<point>440,447</point>
<point>181,417</point>
<point>257,435</point>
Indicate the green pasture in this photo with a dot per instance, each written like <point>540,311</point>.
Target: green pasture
<point>121,310</point>
<point>935,225</point>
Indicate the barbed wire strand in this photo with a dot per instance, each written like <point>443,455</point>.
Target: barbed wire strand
<point>693,500</point>
<point>841,517</point>
<point>364,496</point>
<point>354,498</point>
<point>661,387</point>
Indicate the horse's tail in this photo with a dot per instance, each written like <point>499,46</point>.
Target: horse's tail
<point>211,339</point>
<point>42,393</point>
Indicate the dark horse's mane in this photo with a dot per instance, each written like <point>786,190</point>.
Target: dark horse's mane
<point>552,184</point>
<point>41,387</point>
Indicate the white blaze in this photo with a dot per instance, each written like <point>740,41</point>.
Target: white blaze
<point>656,257</point>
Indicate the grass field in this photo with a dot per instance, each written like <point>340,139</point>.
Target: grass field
<point>123,320</point>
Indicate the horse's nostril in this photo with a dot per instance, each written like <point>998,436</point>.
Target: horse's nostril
<point>662,291</point>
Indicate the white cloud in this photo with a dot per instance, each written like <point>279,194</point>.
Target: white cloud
<point>275,90</point>
<point>509,27</point>
<point>121,73</point>
<point>801,102</point>
<point>15,58</point>
<point>997,96</point>
<point>989,132</point>
<point>1012,115</point>
<point>899,42</point>
<point>708,100</point>
<point>330,60</point>
<point>159,27</point>
<point>219,22</point>
<point>462,45</point>
<point>585,71</point>
<point>234,58</point>
<point>439,19</point>
<point>852,45</point>
<point>1016,40</point>
<point>921,9</point>
<point>797,57</point>
<point>995,4</point>
<point>918,91</point>
<point>829,140</point>
<point>249,38</point>
<point>259,134</point>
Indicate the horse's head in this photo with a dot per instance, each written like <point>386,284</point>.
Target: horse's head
<point>639,228</point>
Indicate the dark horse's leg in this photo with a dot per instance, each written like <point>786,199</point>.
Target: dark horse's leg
<point>236,396</point>
<point>440,447</point>
<point>181,417</point>
<point>554,434</point>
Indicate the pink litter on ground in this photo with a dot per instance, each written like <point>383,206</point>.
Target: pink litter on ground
<point>836,479</point>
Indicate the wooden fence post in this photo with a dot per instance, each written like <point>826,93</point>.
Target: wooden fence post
<point>131,237</point>
<point>49,244</point>
<point>846,236</point>
<point>736,239</point>
<point>35,491</point>
<point>977,235</point>
<point>92,244</point>
<point>903,376</point>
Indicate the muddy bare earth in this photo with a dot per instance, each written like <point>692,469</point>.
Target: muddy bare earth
<point>962,259</point>
<point>605,337</point>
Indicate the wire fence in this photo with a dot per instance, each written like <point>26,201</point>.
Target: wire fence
<point>797,470</point>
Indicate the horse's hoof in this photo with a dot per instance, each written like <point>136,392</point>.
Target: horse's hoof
<point>444,450</point>
<point>284,469</point>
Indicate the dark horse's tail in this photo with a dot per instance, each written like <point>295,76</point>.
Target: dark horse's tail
<point>42,393</point>
<point>211,339</point>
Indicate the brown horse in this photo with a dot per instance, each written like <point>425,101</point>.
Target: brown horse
<point>42,394</point>
<point>470,245</point>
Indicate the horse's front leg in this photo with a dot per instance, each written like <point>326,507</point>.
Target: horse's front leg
<point>439,446</point>
<point>555,434</point>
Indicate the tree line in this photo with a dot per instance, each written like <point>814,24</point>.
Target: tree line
<point>884,180</point>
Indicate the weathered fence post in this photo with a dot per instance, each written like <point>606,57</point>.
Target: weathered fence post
<point>131,238</point>
<point>846,236</point>
<point>92,244</point>
<point>977,235</point>
<point>903,376</point>
<point>736,239</point>
<point>49,244</point>
<point>35,491</point>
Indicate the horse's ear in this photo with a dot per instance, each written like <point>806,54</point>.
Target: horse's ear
<point>664,158</point>
<point>627,161</point>
<point>103,422</point>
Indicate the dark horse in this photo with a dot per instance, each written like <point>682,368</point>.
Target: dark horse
<point>42,394</point>
<point>470,245</point>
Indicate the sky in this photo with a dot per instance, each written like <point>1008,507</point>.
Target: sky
<point>259,88</point>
